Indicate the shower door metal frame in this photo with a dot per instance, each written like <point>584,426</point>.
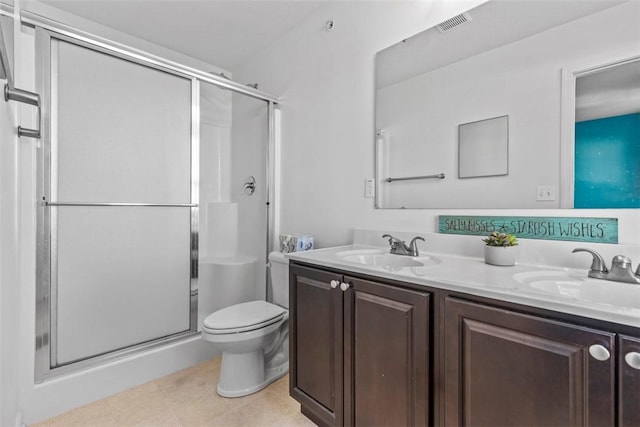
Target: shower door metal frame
<point>46,345</point>
<point>111,47</point>
<point>45,30</point>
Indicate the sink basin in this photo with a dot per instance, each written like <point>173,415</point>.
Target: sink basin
<point>380,258</point>
<point>383,260</point>
<point>357,252</point>
<point>560,283</point>
<point>569,285</point>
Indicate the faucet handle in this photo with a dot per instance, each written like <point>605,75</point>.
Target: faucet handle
<point>622,271</point>
<point>597,265</point>
<point>398,247</point>
<point>621,261</point>
<point>392,240</point>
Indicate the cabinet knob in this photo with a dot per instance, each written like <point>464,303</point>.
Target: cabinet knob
<point>599,352</point>
<point>334,284</point>
<point>344,286</point>
<point>633,359</point>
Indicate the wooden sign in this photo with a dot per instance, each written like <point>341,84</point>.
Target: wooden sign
<point>594,230</point>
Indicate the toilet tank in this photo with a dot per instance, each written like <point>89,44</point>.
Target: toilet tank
<point>279,278</point>
<point>225,281</point>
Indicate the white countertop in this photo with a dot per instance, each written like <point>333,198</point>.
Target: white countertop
<point>563,290</point>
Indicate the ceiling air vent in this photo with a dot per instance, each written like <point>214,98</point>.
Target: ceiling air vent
<point>453,22</point>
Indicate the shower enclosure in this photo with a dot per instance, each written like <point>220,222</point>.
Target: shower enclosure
<point>143,168</point>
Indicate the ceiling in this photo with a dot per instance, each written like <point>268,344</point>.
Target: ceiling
<point>612,91</point>
<point>489,26</point>
<point>224,33</point>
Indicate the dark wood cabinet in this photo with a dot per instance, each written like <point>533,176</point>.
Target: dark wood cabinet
<point>316,367</point>
<point>386,355</point>
<point>367,352</point>
<point>504,368</point>
<point>629,381</point>
<point>355,345</point>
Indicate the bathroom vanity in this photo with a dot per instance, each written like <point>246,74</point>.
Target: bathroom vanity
<point>378,339</point>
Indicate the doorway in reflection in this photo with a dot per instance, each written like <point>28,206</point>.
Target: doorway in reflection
<point>607,137</point>
<point>607,162</point>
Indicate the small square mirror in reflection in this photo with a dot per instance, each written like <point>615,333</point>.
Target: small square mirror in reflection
<point>483,148</point>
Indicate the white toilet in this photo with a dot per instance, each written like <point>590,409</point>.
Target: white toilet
<point>253,337</point>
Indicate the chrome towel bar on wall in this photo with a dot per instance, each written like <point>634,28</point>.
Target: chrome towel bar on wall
<point>408,178</point>
<point>26,97</point>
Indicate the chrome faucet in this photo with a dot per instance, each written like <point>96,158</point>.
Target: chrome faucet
<point>621,269</point>
<point>399,247</point>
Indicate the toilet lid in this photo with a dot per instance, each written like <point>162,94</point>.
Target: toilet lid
<point>244,317</point>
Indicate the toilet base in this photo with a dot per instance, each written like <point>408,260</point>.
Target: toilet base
<point>244,374</point>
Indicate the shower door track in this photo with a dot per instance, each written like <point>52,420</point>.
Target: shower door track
<point>118,49</point>
<point>133,350</point>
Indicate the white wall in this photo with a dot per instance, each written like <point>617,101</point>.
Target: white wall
<point>9,272</point>
<point>326,81</point>
<point>9,255</point>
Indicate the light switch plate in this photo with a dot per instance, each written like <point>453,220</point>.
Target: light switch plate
<point>369,188</point>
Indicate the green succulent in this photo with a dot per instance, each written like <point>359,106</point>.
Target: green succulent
<point>501,239</point>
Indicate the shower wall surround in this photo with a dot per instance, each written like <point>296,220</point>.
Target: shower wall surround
<point>218,214</point>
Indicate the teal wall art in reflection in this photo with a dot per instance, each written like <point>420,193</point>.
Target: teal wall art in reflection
<point>607,162</point>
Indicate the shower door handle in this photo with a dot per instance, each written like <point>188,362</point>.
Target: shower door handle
<point>161,205</point>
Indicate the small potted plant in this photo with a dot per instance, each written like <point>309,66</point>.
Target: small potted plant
<point>500,249</point>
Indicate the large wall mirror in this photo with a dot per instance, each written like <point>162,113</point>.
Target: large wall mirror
<point>513,104</point>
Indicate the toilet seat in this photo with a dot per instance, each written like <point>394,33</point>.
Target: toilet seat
<point>244,317</point>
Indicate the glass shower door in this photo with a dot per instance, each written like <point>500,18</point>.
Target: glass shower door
<point>234,213</point>
<point>120,203</point>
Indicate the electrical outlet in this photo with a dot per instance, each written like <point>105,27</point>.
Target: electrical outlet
<point>369,188</point>
<point>545,193</point>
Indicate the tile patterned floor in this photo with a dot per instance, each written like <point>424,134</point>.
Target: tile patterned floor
<point>187,399</point>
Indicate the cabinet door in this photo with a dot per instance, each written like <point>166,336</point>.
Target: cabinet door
<point>316,344</point>
<point>386,355</point>
<point>629,383</point>
<point>509,369</point>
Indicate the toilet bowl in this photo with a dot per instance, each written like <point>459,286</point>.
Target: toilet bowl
<point>253,337</point>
